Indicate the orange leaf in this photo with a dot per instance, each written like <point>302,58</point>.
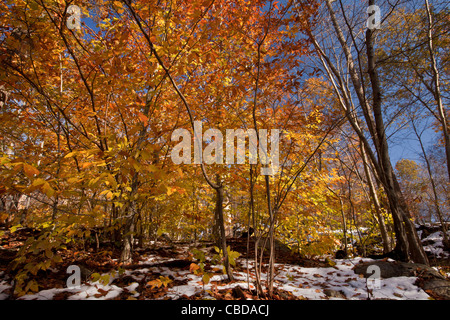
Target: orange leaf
<point>193,267</point>
<point>29,170</point>
<point>154,283</point>
<point>85,165</point>
<point>143,118</point>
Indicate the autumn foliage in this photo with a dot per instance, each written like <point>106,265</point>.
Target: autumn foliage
<point>86,129</point>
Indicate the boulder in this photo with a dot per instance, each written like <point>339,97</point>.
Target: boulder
<point>437,288</point>
<point>428,279</point>
<point>334,293</point>
<point>390,269</point>
<point>429,229</point>
<point>340,254</point>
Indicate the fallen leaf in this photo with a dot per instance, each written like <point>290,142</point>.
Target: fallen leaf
<point>101,293</point>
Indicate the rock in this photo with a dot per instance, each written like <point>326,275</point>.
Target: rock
<point>430,280</point>
<point>396,269</point>
<point>341,254</point>
<point>85,272</point>
<point>164,237</point>
<point>428,242</point>
<point>334,293</point>
<point>279,246</point>
<point>429,229</point>
<point>239,293</point>
<point>247,234</point>
<point>437,288</point>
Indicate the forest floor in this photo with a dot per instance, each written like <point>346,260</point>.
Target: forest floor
<point>164,271</point>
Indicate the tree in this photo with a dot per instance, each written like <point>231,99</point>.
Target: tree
<point>412,60</point>
<point>368,95</point>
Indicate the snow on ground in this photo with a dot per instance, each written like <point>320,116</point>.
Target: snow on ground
<point>306,283</point>
<point>436,247</point>
<point>310,283</point>
<point>88,291</point>
<point>302,282</point>
<point>3,287</point>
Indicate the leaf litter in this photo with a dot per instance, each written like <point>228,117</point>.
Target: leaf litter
<point>156,276</point>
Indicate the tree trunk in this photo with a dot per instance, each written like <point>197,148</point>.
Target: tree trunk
<point>433,186</point>
<point>126,255</point>
<point>259,290</point>
<point>130,215</point>
<point>408,243</point>
<point>407,238</point>
<point>272,212</point>
<point>376,203</point>
<point>344,226</point>
<point>437,89</point>
<point>221,223</point>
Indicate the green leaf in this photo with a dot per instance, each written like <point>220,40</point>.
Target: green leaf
<point>165,280</point>
<point>95,277</point>
<point>14,228</point>
<point>32,286</point>
<point>206,277</point>
<point>48,253</point>
<point>104,279</point>
<point>34,6</point>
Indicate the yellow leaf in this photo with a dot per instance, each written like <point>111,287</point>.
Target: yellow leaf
<point>170,191</point>
<point>48,190</point>
<point>205,278</point>
<point>109,195</point>
<point>32,286</point>
<point>38,182</point>
<point>70,154</point>
<point>72,180</point>
<point>111,180</point>
<point>151,168</point>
